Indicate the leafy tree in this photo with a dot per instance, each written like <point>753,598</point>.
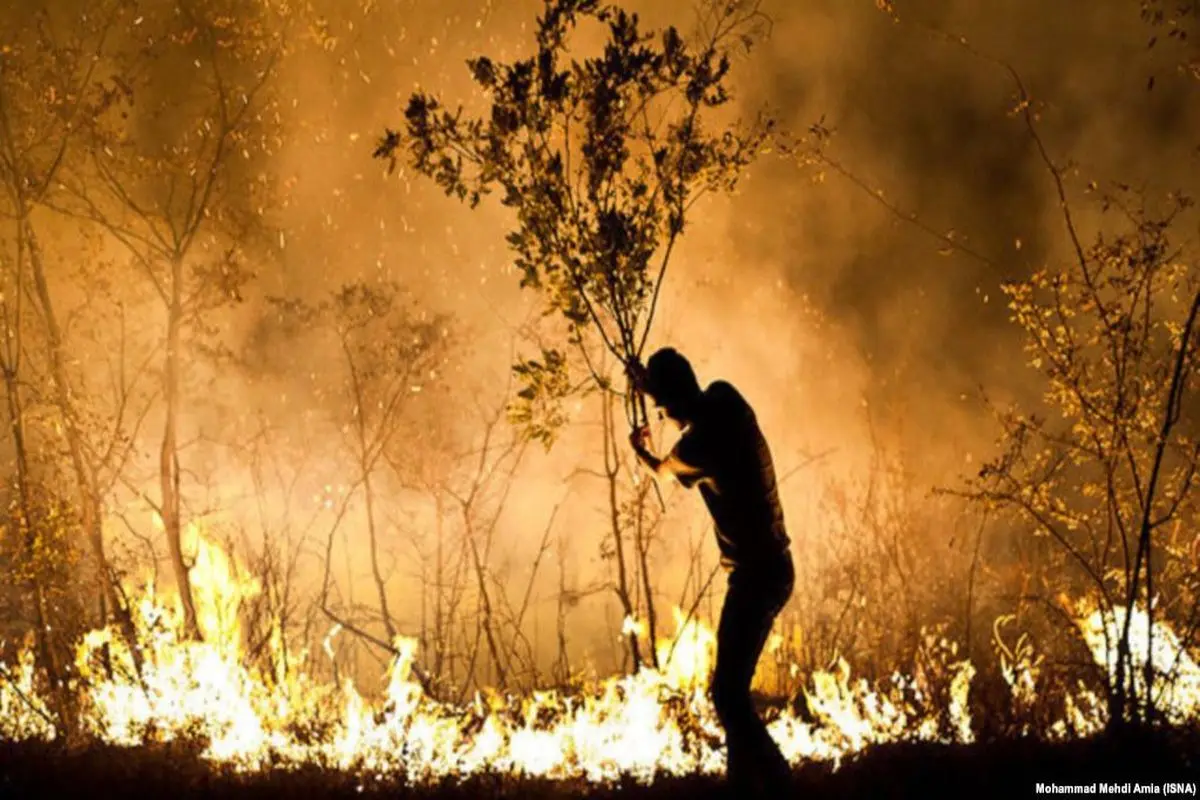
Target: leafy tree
<point>601,158</point>
<point>1103,471</point>
<point>1107,470</point>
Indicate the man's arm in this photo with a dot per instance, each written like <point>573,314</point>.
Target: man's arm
<point>687,474</point>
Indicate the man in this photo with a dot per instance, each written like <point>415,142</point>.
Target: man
<point>723,452</point>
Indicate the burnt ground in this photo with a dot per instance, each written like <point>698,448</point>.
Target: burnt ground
<point>1009,768</point>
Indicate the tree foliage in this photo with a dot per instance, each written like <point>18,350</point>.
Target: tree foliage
<point>1106,470</point>
<point>601,158</point>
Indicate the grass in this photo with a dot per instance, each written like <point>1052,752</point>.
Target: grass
<point>1006,768</point>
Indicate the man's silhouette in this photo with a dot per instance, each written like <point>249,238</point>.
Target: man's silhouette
<point>723,452</point>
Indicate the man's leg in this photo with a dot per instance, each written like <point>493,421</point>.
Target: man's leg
<point>746,618</point>
<point>737,653</point>
<point>776,768</point>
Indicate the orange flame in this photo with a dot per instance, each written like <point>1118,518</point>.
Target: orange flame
<point>643,725</point>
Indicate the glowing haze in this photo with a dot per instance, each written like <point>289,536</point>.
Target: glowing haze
<point>848,328</point>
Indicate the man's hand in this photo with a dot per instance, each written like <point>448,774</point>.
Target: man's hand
<point>639,439</point>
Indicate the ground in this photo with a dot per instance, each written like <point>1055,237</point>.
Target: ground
<point>999,769</point>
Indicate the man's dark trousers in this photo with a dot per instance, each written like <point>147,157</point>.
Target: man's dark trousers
<point>756,594</point>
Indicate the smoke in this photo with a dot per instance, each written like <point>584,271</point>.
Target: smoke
<point>818,277</point>
<point>846,325</point>
<point>928,122</point>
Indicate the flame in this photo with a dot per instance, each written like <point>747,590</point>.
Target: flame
<point>689,657</point>
<point>631,626</point>
<point>1179,697</point>
<point>219,587</point>
<point>253,715</point>
<point>23,715</point>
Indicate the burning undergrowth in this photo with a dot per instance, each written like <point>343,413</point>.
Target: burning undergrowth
<point>242,717</point>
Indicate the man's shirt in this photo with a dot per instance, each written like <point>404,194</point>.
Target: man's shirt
<point>731,463</point>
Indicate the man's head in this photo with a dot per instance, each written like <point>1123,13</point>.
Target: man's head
<point>670,381</point>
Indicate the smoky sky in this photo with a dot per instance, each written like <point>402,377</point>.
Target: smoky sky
<point>924,121</point>
<point>825,307</point>
<point>929,124</point>
<point>811,295</point>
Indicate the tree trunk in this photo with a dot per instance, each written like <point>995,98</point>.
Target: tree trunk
<point>380,586</point>
<point>643,547</point>
<point>85,480</point>
<point>562,665</point>
<point>43,651</point>
<point>1171,412</point>
<point>611,465</point>
<point>485,599</point>
<point>168,463</point>
<point>439,632</point>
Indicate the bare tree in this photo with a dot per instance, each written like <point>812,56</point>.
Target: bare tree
<point>178,192</point>
<point>387,355</point>
<point>49,92</point>
<point>495,466</point>
<point>387,358</point>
